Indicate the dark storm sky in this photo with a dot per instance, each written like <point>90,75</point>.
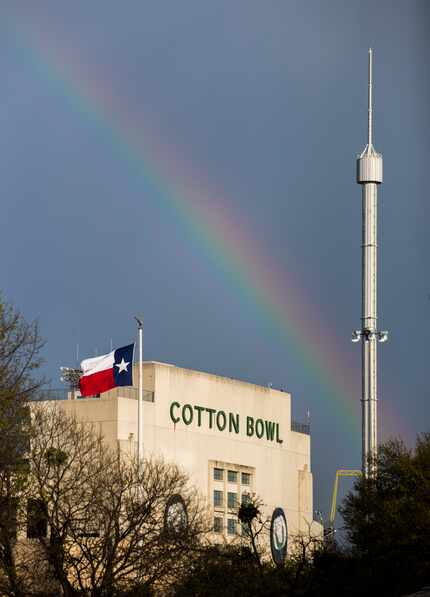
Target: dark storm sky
<point>264,103</point>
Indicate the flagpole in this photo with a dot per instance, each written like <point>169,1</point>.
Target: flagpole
<point>140,400</point>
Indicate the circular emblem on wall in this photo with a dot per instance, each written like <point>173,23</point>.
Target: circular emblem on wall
<point>175,515</point>
<point>278,536</point>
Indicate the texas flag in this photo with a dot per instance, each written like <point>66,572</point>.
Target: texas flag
<point>100,374</point>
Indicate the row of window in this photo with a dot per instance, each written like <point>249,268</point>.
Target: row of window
<point>231,499</point>
<point>219,525</point>
<point>236,485</point>
<point>233,526</point>
<point>232,476</point>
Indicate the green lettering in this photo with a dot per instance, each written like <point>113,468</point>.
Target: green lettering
<point>270,430</point>
<point>199,410</point>
<point>233,422</point>
<point>259,428</point>
<point>279,441</point>
<point>211,412</point>
<point>249,426</point>
<point>221,415</point>
<point>172,416</point>
<point>189,418</point>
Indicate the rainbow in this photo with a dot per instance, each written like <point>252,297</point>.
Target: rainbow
<point>210,221</point>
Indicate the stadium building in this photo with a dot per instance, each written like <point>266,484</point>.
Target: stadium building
<point>233,438</point>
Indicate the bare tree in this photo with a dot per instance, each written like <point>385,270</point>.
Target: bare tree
<point>106,515</point>
<point>20,345</point>
<point>303,547</point>
<point>255,527</point>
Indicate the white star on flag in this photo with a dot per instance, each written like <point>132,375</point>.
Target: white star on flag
<point>122,366</point>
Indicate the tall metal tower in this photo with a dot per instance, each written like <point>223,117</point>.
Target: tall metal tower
<point>369,176</point>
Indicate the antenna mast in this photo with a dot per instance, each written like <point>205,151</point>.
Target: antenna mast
<point>369,176</point>
<point>369,102</point>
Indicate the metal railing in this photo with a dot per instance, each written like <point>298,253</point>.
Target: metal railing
<point>53,394</point>
<point>301,427</point>
<point>132,392</point>
<point>123,392</point>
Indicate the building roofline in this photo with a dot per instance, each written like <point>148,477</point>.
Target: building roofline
<point>268,389</point>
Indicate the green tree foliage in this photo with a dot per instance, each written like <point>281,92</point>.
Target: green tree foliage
<point>244,568</point>
<point>224,570</point>
<point>233,571</point>
<point>388,519</point>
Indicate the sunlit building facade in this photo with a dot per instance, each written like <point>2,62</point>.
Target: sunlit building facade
<point>233,438</point>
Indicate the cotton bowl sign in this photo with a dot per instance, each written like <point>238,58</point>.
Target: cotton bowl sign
<point>211,418</point>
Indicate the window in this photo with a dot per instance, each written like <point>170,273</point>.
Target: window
<point>246,479</point>
<point>231,499</point>
<point>232,477</point>
<point>8,518</point>
<point>217,524</point>
<point>218,498</point>
<point>37,519</point>
<point>218,474</point>
<point>231,526</point>
<point>231,485</point>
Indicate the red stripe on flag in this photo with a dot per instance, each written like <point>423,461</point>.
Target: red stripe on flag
<point>99,382</point>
